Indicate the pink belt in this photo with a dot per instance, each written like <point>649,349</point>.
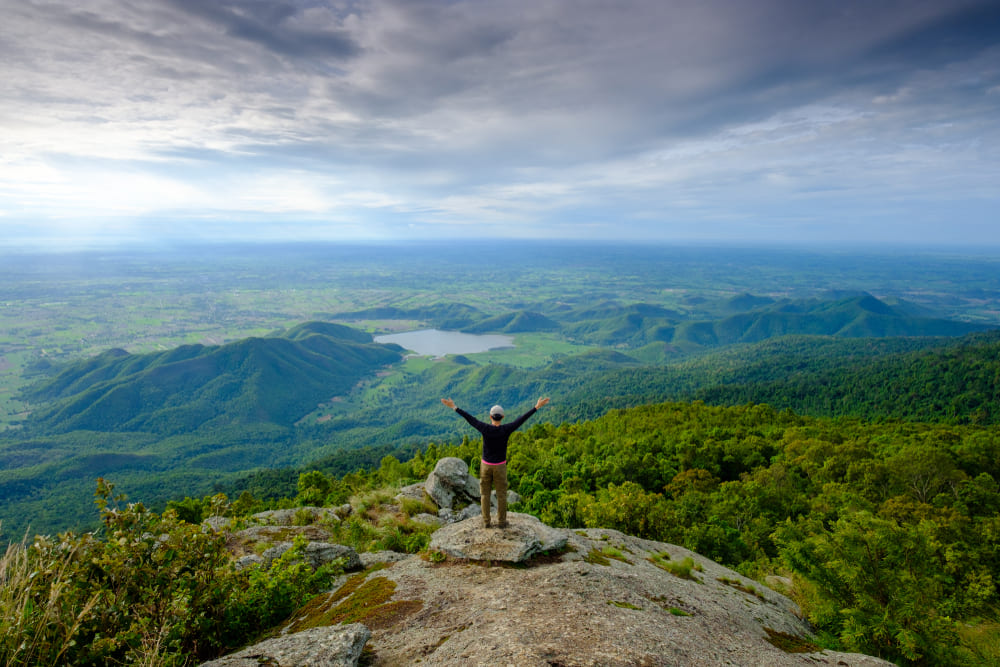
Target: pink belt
<point>487,463</point>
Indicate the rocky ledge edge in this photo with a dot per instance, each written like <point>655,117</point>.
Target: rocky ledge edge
<point>530,595</point>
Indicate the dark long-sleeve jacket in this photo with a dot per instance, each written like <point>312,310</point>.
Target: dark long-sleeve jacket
<point>495,437</point>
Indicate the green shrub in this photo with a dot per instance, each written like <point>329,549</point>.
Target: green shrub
<point>154,590</point>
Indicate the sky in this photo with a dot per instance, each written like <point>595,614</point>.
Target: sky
<point>737,121</point>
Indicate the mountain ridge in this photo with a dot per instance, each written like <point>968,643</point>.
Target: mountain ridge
<point>274,379</point>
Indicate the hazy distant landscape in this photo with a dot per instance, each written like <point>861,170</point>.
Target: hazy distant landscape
<point>173,371</point>
<point>749,250</point>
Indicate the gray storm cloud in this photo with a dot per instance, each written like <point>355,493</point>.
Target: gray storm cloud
<point>404,103</point>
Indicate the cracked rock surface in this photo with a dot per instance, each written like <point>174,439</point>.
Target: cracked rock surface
<point>600,600</point>
<point>337,646</point>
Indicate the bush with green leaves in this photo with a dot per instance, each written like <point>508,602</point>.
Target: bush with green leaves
<point>149,589</point>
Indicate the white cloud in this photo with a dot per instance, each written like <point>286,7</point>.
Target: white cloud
<point>532,114</point>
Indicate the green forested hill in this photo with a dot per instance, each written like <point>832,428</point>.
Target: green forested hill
<point>861,316</point>
<point>176,421</point>
<point>256,380</point>
<point>514,322</point>
<point>922,379</point>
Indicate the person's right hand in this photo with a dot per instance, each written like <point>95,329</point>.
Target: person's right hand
<point>450,403</point>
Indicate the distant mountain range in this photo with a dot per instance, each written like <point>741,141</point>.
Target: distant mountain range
<point>276,380</point>
<point>744,318</point>
<point>855,316</point>
<point>186,419</point>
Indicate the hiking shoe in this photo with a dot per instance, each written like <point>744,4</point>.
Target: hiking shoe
<point>502,525</point>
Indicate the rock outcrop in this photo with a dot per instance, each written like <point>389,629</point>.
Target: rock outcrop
<point>306,515</point>
<point>528,595</point>
<point>335,646</point>
<point>316,554</point>
<point>524,537</point>
<point>602,599</point>
<point>454,490</point>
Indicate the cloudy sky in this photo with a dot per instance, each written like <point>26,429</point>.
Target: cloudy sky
<point>859,121</point>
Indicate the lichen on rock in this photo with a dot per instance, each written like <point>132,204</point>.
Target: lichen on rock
<point>336,646</point>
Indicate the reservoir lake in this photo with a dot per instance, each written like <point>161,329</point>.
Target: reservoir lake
<point>439,343</point>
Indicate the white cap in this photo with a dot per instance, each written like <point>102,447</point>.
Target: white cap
<point>496,410</point>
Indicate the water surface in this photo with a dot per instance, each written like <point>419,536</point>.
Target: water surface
<point>439,343</point>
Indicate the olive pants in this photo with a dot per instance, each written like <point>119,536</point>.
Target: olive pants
<point>491,477</point>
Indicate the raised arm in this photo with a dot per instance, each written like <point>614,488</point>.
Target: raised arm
<point>478,425</point>
<point>516,424</point>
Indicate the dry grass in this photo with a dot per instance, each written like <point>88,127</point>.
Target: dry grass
<point>39,616</point>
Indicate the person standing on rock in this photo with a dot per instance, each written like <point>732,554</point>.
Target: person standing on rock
<point>493,471</point>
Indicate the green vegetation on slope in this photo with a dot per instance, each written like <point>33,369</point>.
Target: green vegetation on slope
<point>920,379</point>
<point>930,379</point>
<point>150,590</point>
<point>889,531</point>
<point>256,380</point>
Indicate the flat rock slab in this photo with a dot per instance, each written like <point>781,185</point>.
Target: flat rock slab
<point>246,541</point>
<point>288,517</point>
<point>523,537</point>
<point>602,602</point>
<point>334,646</point>
<point>317,554</point>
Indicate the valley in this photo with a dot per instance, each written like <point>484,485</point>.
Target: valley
<point>169,369</point>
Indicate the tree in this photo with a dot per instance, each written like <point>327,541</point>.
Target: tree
<point>313,487</point>
<point>876,585</point>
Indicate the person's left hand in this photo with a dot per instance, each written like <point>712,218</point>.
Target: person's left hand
<point>541,402</point>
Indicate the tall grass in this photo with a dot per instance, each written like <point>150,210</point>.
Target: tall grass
<point>40,614</point>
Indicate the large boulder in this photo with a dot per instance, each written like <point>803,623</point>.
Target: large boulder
<point>523,537</point>
<point>450,482</point>
<point>275,534</point>
<point>333,646</point>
